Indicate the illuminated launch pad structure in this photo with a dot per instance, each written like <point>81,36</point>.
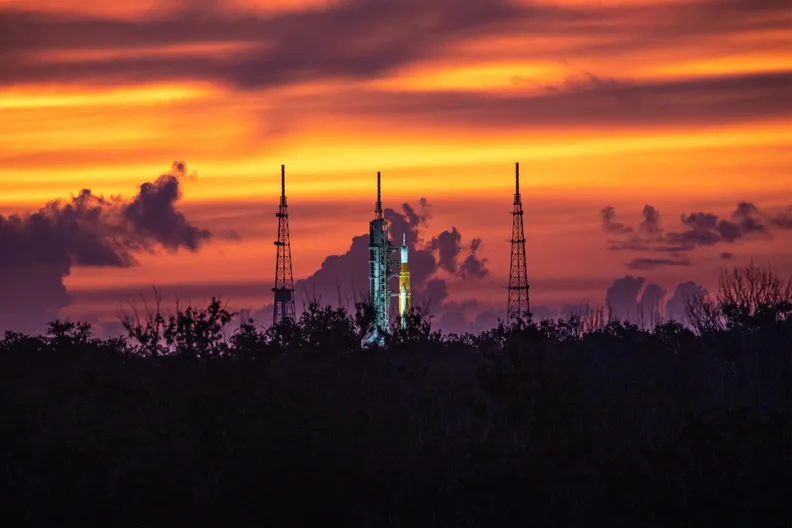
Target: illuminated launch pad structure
<point>380,275</point>
<point>380,250</point>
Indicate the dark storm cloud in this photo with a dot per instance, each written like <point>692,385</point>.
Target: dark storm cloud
<point>38,250</point>
<point>694,101</point>
<point>703,230</point>
<point>472,266</point>
<point>31,296</point>
<point>410,222</point>
<point>432,296</point>
<point>705,221</point>
<point>783,219</point>
<point>91,230</point>
<point>650,225</point>
<point>609,222</point>
<point>79,231</point>
<point>707,229</point>
<point>356,38</point>
<point>153,213</point>
<point>448,245</point>
<point>747,218</point>
<point>365,40</point>
<point>415,218</point>
<point>695,237</point>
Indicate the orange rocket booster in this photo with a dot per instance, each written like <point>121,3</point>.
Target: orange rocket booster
<point>404,284</point>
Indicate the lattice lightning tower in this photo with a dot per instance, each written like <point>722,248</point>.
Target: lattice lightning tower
<point>519,306</point>
<point>284,280</point>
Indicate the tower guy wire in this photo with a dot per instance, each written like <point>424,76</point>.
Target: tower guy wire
<point>519,305</point>
<point>284,279</point>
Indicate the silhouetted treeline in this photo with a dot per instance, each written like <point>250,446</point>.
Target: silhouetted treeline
<point>576,422</point>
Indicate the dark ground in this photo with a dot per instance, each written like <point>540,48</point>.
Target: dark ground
<point>618,428</point>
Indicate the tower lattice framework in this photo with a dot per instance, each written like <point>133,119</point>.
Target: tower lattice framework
<point>380,272</point>
<point>284,279</point>
<point>519,306</point>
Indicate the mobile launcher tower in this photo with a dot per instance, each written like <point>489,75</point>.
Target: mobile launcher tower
<point>381,273</point>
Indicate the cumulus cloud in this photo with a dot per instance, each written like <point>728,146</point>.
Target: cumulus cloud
<point>684,292</point>
<point>621,298</point>
<point>702,229</point>
<point>609,222</point>
<point>650,225</point>
<point>651,305</point>
<point>153,215</point>
<point>448,245</point>
<point>630,299</point>
<point>783,219</point>
<point>474,267</point>
<point>38,250</point>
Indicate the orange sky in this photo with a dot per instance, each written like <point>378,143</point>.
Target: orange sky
<point>683,105</point>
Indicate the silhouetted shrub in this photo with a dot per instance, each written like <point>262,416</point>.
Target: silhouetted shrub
<point>564,422</point>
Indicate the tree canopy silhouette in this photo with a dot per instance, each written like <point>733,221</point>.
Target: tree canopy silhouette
<point>199,416</point>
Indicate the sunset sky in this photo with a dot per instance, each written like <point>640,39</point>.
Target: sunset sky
<point>682,105</point>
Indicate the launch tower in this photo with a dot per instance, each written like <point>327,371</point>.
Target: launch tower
<point>519,306</point>
<point>380,250</point>
<point>284,280</point>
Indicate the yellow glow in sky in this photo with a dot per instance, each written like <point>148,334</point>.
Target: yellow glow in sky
<point>30,97</point>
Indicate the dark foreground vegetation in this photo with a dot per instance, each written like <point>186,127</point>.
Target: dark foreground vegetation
<point>577,422</point>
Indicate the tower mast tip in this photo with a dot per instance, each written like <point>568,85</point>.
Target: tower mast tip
<point>517,178</point>
<point>378,209</point>
<point>283,184</point>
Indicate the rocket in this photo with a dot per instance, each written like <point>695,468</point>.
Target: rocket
<point>404,284</point>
